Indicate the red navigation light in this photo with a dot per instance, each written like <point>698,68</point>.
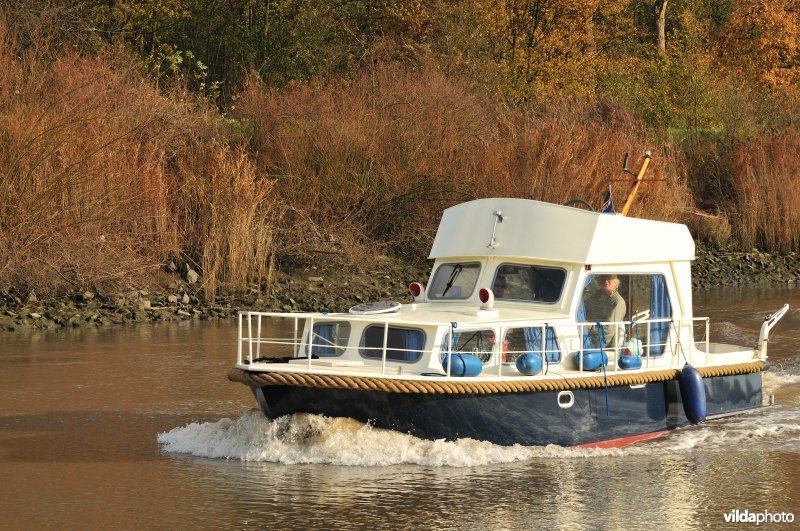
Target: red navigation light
<point>486,296</point>
<point>416,289</point>
<point>483,295</point>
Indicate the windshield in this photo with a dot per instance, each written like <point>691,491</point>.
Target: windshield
<point>454,281</point>
<point>530,283</point>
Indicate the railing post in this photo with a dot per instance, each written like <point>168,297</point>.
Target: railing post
<point>310,342</point>
<point>580,346</point>
<point>686,357</point>
<point>673,344</point>
<point>239,348</point>
<point>500,343</point>
<point>249,337</point>
<point>450,349</point>
<point>385,339</point>
<point>258,344</point>
<point>296,340</point>
<point>544,345</point>
<point>708,345</point>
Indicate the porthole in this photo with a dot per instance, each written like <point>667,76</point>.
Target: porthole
<point>566,399</point>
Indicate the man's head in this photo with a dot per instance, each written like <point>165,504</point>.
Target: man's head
<point>608,283</point>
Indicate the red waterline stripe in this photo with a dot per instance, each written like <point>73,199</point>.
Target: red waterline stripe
<point>624,441</point>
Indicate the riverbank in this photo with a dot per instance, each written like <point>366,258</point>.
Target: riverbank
<point>181,299</point>
<point>315,289</point>
<point>714,268</point>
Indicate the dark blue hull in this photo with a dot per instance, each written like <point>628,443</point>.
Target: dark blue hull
<point>533,418</point>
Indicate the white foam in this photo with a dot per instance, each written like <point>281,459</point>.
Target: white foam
<point>316,439</point>
<point>727,437</point>
<point>305,438</point>
<point>773,380</point>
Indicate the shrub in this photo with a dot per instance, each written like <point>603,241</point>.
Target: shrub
<point>766,183</point>
<point>102,176</point>
<point>371,161</point>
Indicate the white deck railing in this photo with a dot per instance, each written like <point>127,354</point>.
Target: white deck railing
<point>678,345</point>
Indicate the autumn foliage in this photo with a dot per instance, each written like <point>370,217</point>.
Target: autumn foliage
<point>378,157</point>
<point>243,136</point>
<point>103,178</point>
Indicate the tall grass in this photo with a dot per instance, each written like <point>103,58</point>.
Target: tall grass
<point>102,177</point>
<point>374,159</point>
<point>766,184</point>
<point>225,208</point>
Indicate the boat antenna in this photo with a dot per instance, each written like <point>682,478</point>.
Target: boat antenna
<point>636,181</point>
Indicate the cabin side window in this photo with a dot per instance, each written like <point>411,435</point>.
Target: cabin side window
<point>528,283</point>
<point>402,344</point>
<point>454,281</point>
<point>329,339</point>
<point>528,340</point>
<point>621,299</point>
<point>476,342</point>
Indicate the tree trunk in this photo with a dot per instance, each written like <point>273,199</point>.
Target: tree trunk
<point>661,23</point>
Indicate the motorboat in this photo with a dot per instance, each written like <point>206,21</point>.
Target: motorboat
<point>511,340</point>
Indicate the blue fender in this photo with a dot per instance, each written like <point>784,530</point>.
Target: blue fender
<point>693,394</point>
<point>593,359</point>
<point>464,365</point>
<point>529,364</point>
<point>628,363</point>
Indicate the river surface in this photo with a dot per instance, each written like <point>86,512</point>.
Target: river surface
<point>139,428</point>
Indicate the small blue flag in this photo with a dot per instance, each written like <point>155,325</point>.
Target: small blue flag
<point>608,203</point>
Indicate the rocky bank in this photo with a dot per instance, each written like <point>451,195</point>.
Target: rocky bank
<point>724,268</point>
<point>182,298</point>
<point>314,290</point>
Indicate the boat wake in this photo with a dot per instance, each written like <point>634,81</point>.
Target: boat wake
<point>776,429</point>
<point>774,380</point>
<point>728,332</point>
<point>305,438</point>
<point>315,439</point>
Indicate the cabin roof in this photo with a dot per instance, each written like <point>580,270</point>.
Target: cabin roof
<point>544,231</point>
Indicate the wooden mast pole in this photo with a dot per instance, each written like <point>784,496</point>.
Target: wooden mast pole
<point>636,182</point>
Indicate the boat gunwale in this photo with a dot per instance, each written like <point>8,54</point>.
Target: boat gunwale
<point>349,371</point>
<point>460,385</point>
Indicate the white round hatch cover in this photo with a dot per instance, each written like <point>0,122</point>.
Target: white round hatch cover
<point>375,307</point>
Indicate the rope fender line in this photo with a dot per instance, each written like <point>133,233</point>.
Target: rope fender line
<point>371,383</point>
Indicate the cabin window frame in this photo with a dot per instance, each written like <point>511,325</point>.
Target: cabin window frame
<point>488,354</point>
<point>463,296</point>
<point>670,298</point>
<point>555,302</point>
<point>529,333</point>
<point>339,348</point>
<point>367,354</point>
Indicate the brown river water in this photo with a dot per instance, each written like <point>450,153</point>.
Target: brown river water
<point>138,428</point>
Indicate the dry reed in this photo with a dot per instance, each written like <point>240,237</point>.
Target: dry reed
<point>766,185</point>
<point>226,216</point>
<point>102,177</point>
<point>379,156</point>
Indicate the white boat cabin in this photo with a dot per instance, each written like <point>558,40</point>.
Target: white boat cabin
<point>507,273</point>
